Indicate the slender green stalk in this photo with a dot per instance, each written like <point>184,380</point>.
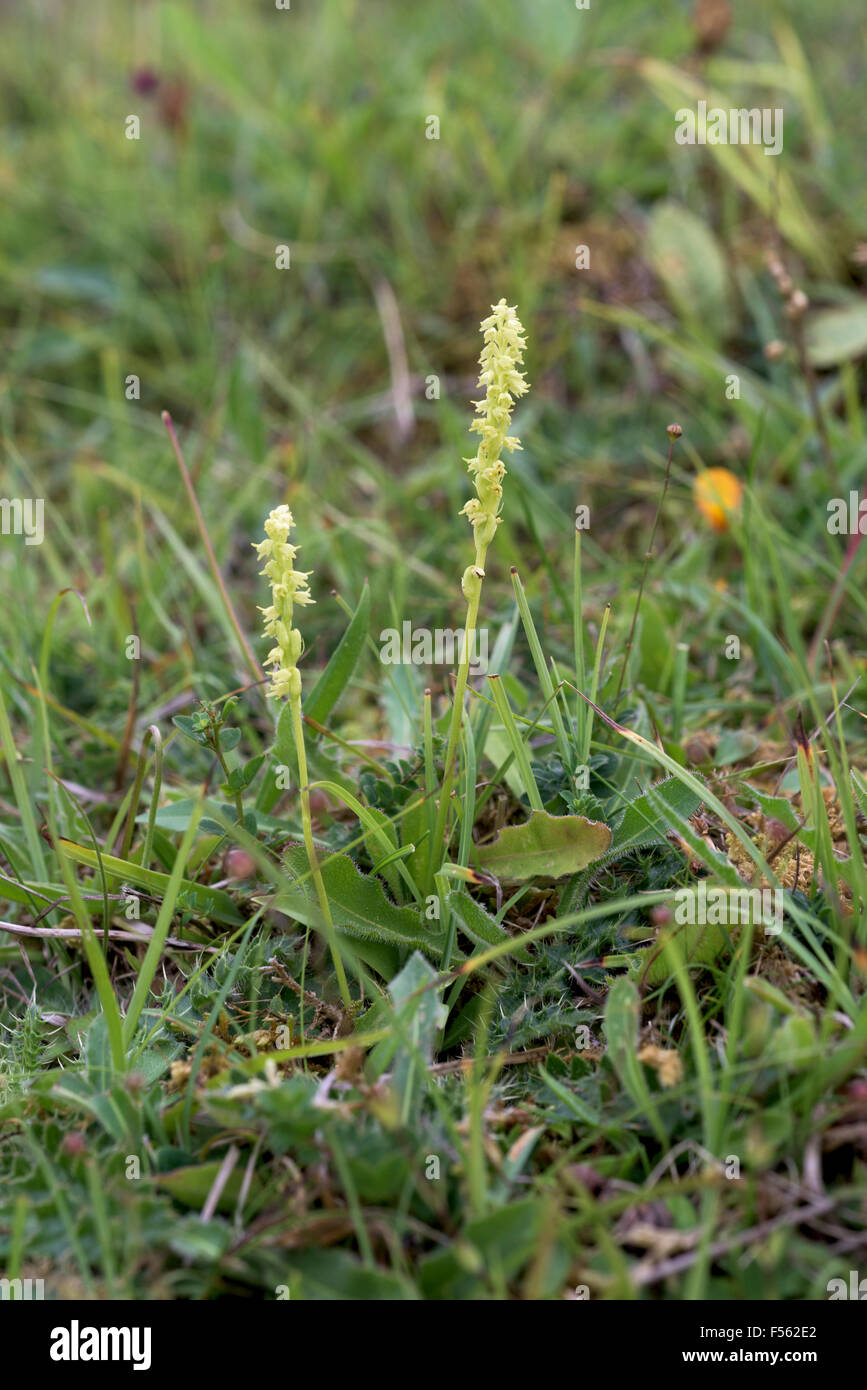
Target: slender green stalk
<point>711,1103</point>
<point>582,712</point>
<point>307,825</point>
<point>152,732</point>
<point>16,1237</point>
<point>438,845</point>
<point>594,685</point>
<point>19,789</point>
<point>679,690</point>
<point>221,759</point>
<point>429,773</point>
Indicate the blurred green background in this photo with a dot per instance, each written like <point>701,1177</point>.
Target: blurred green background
<point>308,128</point>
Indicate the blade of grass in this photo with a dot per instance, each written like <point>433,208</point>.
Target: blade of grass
<point>150,964</point>
<point>516,743</point>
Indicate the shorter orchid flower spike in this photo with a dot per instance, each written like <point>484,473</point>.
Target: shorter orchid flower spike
<point>288,587</point>
<point>503,383</point>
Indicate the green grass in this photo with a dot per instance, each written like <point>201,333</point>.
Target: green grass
<point>545,1087</point>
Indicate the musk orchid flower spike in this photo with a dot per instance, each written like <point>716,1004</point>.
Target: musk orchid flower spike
<point>288,587</point>
<point>503,384</point>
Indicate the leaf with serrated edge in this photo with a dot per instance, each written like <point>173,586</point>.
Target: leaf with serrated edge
<point>478,924</point>
<point>641,823</point>
<point>359,904</point>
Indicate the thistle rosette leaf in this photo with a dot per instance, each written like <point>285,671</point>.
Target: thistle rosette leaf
<point>288,587</point>
<point>503,383</point>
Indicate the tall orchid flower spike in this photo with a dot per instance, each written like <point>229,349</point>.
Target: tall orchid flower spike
<point>288,588</point>
<point>503,383</point>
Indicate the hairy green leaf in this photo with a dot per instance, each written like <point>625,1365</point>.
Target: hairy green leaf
<point>545,846</point>
<point>359,904</point>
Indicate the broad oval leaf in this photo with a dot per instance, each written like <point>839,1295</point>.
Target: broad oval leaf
<point>837,335</point>
<point>545,846</point>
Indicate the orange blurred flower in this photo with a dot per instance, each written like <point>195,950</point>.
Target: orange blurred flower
<point>717,494</point>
